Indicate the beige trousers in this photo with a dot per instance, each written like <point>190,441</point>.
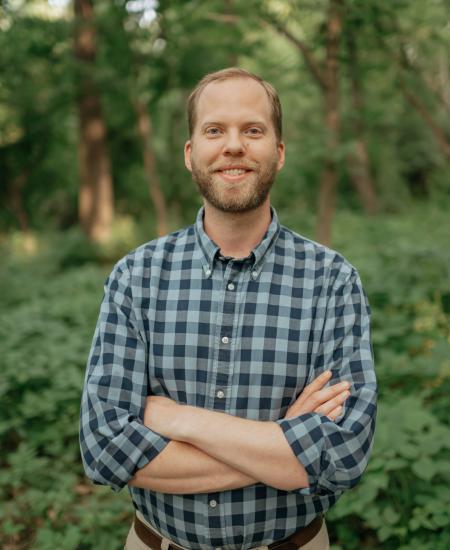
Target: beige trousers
<point>319,542</point>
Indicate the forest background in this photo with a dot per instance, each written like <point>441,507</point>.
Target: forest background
<point>92,127</point>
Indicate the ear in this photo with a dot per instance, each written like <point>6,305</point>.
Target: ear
<point>187,155</point>
<point>281,155</point>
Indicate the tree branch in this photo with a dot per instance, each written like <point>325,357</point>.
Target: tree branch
<point>312,64</point>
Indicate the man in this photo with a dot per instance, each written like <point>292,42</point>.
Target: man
<point>230,383</point>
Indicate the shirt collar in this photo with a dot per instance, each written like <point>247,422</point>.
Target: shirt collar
<point>258,255</point>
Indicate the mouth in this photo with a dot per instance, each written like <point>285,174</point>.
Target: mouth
<point>234,174</point>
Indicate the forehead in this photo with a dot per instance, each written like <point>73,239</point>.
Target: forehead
<point>233,98</point>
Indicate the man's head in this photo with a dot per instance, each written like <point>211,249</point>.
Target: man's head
<point>226,74</point>
<point>235,150</point>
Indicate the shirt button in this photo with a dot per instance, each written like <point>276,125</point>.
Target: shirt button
<point>254,274</point>
<point>220,394</point>
<point>225,339</point>
<point>213,503</point>
<point>208,272</point>
<point>230,286</point>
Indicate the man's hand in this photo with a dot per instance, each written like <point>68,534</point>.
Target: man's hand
<point>313,398</point>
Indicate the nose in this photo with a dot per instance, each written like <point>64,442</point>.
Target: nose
<point>234,144</point>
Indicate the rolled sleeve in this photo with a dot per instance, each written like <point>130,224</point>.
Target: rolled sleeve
<point>114,442</point>
<point>335,454</point>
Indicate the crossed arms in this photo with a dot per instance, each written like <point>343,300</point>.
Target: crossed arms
<point>212,451</point>
<point>127,437</point>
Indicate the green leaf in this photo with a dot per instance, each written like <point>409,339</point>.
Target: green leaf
<point>424,468</point>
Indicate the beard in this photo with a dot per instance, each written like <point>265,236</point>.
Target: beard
<point>233,198</point>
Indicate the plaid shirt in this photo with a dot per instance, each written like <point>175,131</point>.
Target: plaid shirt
<point>240,336</point>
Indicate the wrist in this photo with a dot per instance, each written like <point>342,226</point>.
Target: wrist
<point>184,422</point>
<point>188,423</point>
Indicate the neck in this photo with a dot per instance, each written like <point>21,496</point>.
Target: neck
<point>237,234</point>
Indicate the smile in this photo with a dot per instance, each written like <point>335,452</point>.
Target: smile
<point>234,175</point>
<point>234,172</point>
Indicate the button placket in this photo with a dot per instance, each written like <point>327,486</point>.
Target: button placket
<point>224,330</point>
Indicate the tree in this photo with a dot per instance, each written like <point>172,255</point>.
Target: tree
<point>96,202</point>
<point>409,71</point>
<point>326,76</point>
<point>358,161</point>
<point>36,95</point>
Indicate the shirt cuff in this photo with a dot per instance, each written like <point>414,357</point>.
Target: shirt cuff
<point>129,451</point>
<point>305,436</point>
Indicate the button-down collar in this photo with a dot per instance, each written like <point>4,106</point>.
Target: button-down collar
<point>210,249</point>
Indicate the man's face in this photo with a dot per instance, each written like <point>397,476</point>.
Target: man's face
<point>233,153</point>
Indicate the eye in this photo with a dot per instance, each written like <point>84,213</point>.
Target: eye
<point>212,131</point>
<point>254,131</point>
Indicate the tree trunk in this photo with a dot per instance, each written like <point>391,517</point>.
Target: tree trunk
<point>328,178</point>
<point>444,80</point>
<point>16,201</point>
<point>154,185</point>
<point>144,123</point>
<point>358,159</point>
<point>96,201</point>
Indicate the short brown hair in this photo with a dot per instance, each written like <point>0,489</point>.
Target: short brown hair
<point>235,72</point>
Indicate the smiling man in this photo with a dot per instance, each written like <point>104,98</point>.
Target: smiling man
<point>230,382</point>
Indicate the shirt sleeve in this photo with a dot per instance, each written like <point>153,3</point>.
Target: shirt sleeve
<point>335,454</point>
<point>113,439</point>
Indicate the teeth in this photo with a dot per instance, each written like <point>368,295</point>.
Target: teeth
<point>234,172</point>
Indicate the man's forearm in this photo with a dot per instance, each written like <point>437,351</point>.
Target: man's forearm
<point>182,468</point>
<point>258,449</point>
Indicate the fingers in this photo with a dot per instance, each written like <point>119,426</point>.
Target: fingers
<point>317,384</point>
<point>328,406</point>
<point>316,398</point>
<point>321,397</point>
<point>327,394</point>
<point>335,413</point>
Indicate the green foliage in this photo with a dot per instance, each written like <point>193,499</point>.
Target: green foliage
<point>47,322</point>
<point>403,500</point>
<point>405,489</point>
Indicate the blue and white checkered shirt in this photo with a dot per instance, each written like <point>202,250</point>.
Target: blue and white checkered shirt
<point>240,336</point>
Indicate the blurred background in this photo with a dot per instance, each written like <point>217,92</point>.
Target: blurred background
<point>92,127</point>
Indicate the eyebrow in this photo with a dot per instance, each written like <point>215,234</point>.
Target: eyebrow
<point>249,123</point>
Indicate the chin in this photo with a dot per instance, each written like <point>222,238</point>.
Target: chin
<point>233,207</point>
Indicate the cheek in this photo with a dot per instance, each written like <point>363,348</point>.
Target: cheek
<point>205,154</point>
<point>267,155</point>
